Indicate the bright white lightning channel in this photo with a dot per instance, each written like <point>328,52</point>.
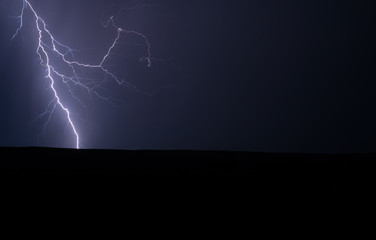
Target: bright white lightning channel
<point>44,52</point>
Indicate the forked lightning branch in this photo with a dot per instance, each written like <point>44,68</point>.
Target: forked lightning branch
<point>49,48</point>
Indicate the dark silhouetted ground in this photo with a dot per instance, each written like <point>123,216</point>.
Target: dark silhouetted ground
<point>317,188</point>
<point>31,161</point>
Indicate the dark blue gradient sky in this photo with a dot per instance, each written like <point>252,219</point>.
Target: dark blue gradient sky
<point>257,75</point>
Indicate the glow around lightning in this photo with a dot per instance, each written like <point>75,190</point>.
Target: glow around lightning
<point>48,47</point>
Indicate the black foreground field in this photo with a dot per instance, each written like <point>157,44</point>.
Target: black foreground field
<point>48,161</point>
<point>318,188</point>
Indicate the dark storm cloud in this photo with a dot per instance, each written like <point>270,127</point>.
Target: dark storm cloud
<point>273,75</point>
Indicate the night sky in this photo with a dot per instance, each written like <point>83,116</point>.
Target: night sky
<point>256,75</point>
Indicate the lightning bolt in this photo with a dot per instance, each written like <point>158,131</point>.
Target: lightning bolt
<point>48,48</point>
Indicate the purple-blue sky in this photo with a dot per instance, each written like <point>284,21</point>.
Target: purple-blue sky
<point>273,76</point>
